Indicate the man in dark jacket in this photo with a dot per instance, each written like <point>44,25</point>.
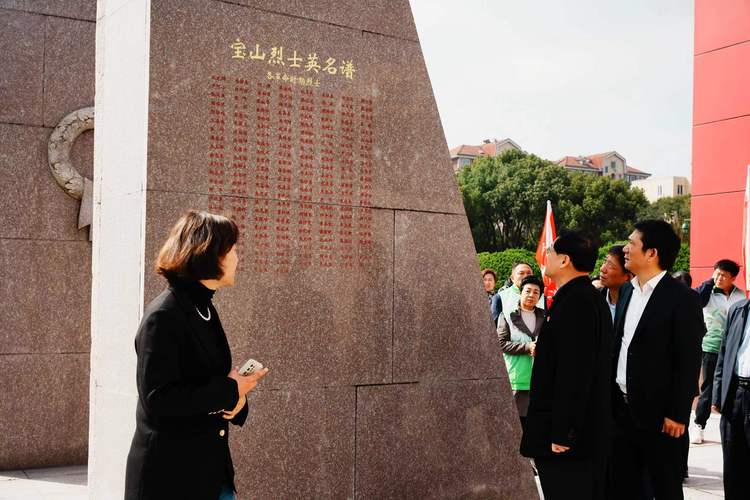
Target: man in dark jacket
<point>568,422</point>
<point>656,363</point>
<point>718,294</point>
<point>731,398</point>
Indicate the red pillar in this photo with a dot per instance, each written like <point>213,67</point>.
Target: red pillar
<point>721,132</point>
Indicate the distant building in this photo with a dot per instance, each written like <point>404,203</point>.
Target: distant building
<point>611,164</point>
<point>660,187</point>
<point>463,155</point>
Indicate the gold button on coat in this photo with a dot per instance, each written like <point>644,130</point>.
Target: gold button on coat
<point>221,433</point>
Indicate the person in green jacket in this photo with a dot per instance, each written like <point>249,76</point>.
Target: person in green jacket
<point>517,330</point>
<point>506,300</point>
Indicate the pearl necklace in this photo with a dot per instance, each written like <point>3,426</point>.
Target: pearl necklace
<point>204,318</point>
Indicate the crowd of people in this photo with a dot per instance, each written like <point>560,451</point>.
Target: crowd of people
<point>605,376</point>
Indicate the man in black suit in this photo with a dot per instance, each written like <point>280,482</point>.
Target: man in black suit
<point>656,363</point>
<point>731,398</point>
<point>568,422</point>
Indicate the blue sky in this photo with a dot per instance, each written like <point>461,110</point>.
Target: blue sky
<point>565,77</point>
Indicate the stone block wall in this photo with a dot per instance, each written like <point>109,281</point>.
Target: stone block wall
<point>46,71</point>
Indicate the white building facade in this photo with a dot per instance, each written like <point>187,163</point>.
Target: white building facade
<point>661,187</point>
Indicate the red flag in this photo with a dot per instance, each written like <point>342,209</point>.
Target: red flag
<point>545,241</point>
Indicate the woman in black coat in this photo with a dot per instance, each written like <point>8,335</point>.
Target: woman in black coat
<point>187,391</point>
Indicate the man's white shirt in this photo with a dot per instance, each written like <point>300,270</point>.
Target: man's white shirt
<point>638,302</point>
<point>612,307</point>
<point>742,365</point>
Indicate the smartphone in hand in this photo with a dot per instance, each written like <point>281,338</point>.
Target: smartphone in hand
<point>251,366</point>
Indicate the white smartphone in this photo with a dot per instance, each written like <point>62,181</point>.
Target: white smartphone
<point>251,366</point>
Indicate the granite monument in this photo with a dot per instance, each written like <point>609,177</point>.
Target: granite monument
<point>314,126</point>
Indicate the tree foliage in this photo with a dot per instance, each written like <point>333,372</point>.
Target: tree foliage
<point>505,201</point>
<point>673,209</point>
<point>604,208</point>
<point>683,259</point>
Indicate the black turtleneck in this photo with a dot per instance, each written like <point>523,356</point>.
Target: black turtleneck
<point>197,291</point>
<point>200,295</point>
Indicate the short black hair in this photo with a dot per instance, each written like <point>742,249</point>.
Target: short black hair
<point>660,235</point>
<point>684,278</point>
<point>580,249</point>
<point>617,252</point>
<point>729,266</point>
<point>520,263</point>
<point>533,280</point>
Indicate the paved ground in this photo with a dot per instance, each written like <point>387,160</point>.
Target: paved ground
<point>705,464</point>
<point>69,483</point>
<point>64,483</point>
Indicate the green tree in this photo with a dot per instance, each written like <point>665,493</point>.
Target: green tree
<point>683,259</point>
<point>505,201</point>
<point>505,198</point>
<point>673,209</point>
<point>604,208</point>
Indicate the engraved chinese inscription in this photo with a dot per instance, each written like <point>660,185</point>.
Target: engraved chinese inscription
<point>292,165</point>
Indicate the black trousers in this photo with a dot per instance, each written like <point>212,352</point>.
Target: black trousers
<point>735,442</point>
<point>685,447</point>
<point>646,464</point>
<point>564,478</point>
<point>703,408</point>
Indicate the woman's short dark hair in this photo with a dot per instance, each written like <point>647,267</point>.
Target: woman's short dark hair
<point>533,280</point>
<point>579,248</point>
<point>489,271</point>
<point>195,247</point>
<point>729,266</point>
<point>660,235</point>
